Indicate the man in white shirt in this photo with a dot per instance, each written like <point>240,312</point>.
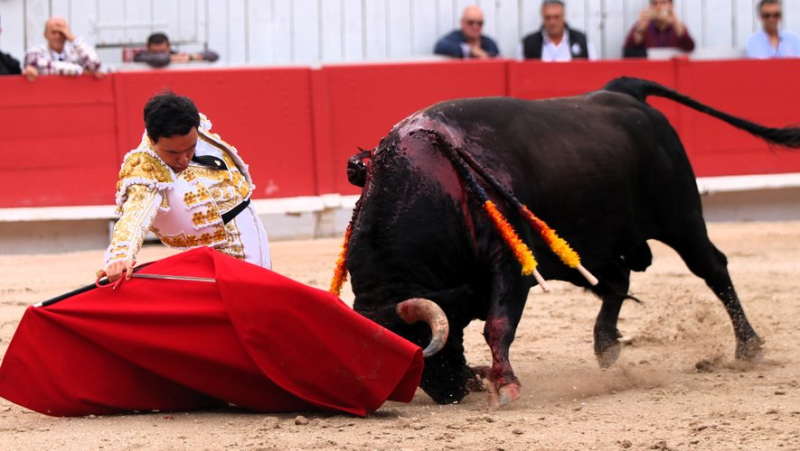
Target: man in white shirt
<point>770,41</point>
<point>64,54</point>
<point>555,41</point>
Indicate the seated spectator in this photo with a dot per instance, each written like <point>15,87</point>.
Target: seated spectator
<point>468,42</point>
<point>64,54</point>
<point>159,53</point>
<point>771,42</point>
<point>8,64</point>
<point>658,26</point>
<point>555,41</point>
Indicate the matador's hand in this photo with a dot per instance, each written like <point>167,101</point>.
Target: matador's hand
<point>116,269</point>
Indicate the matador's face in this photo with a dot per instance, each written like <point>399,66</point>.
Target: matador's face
<point>177,150</point>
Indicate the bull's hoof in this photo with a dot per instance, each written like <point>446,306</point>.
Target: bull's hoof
<point>498,397</point>
<point>750,350</point>
<point>607,346</point>
<point>609,355</point>
<point>508,393</point>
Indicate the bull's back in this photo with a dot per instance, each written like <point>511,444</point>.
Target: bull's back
<point>605,162</point>
<point>576,143</point>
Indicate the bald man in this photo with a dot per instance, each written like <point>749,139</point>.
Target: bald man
<point>468,42</point>
<point>64,54</point>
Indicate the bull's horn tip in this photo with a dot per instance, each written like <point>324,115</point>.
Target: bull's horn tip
<point>418,309</point>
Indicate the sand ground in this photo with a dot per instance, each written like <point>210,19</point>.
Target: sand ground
<point>655,397</point>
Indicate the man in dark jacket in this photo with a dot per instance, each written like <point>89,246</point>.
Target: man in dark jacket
<point>555,41</point>
<point>159,53</point>
<point>468,42</point>
<point>8,64</point>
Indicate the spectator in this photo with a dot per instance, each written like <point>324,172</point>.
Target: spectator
<point>658,26</point>
<point>468,42</point>
<point>8,64</point>
<point>159,53</point>
<point>555,41</point>
<point>64,54</point>
<point>771,42</point>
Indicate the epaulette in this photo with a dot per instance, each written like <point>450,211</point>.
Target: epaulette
<point>219,143</point>
<point>142,166</point>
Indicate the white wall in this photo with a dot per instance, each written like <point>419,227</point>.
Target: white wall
<point>314,31</point>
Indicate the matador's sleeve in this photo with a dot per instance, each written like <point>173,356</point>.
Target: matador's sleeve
<point>142,178</point>
<point>138,213</point>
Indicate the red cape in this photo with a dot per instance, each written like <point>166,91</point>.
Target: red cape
<point>254,339</point>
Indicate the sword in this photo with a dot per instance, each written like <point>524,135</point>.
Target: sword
<point>104,281</point>
<point>168,277</point>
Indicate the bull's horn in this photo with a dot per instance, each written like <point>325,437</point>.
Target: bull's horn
<point>418,309</point>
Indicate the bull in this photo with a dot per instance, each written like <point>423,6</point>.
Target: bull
<point>605,169</point>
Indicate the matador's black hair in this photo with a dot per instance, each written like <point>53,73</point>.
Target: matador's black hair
<point>167,114</point>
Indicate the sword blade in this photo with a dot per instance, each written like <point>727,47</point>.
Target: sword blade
<point>104,281</point>
<point>169,277</point>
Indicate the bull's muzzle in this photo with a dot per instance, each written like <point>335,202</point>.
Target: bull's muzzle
<point>419,309</point>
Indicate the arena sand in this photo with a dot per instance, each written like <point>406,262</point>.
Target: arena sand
<point>676,385</point>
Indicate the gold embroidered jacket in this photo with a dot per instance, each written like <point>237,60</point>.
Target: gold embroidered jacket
<point>183,210</point>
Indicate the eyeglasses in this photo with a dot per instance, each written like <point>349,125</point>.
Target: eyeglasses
<point>553,17</point>
<point>771,15</point>
<point>472,23</point>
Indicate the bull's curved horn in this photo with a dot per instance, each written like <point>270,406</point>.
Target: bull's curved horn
<point>419,309</point>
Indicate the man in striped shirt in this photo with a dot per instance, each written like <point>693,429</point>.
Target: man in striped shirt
<point>64,54</point>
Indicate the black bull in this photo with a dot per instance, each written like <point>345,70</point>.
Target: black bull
<point>606,170</point>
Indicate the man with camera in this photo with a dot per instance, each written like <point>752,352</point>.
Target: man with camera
<point>658,26</point>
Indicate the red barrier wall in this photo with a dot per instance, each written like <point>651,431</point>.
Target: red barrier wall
<point>56,141</point>
<point>365,101</point>
<point>763,91</point>
<point>265,113</point>
<point>534,80</point>
<point>64,138</point>
<point>766,92</point>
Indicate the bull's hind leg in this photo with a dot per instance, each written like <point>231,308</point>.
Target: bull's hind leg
<point>501,326</point>
<point>708,263</point>
<point>613,290</point>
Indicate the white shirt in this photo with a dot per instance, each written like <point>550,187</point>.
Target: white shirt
<point>561,52</point>
<point>758,45</point>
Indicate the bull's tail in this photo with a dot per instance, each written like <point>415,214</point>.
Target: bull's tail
<point>641,89</point>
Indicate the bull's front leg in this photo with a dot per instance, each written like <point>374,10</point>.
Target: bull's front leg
<point>501,326</point>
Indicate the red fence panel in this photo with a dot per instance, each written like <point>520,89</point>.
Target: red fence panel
<point>366,101</point>
<point>63,138</point>
<point>534,80</point>
<point>264,113</point>
<point>56,139</point>
<point>767,92</point>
